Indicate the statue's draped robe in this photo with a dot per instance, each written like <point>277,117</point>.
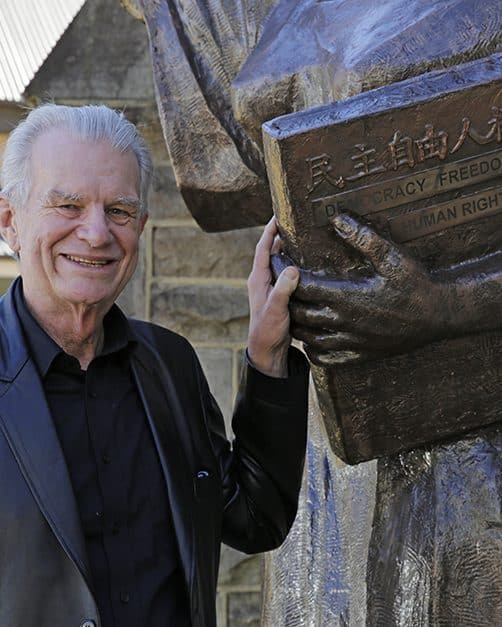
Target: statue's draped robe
<point>411,540</point>
<point>223,67</point>
<point>414,540</point>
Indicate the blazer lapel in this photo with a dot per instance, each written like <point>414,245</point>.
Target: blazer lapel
<point>173,444</point>
<point>29,429</point>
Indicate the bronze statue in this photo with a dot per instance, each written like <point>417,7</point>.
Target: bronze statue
<point>412,277</point>
<point>222,69</point>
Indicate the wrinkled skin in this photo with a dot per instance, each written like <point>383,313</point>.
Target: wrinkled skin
<point>395,306</point>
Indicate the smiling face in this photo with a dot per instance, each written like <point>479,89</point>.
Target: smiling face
<point>77,235</point>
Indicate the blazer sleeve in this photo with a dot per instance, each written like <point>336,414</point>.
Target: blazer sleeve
<point>261,473</point>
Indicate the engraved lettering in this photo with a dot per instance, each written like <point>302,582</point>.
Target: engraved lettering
<point>495,129</point>
<point>469,171</point>
<point>466,125</point>
<point>320,169</point>
<point>466,209</point>
<point>400,191</point>
<point>390,194</point>
<point>474,169</point>
<point>365,162</point>
<point>428,219</point>
<point>432,144</point>
<point>443,177</point>
<point>422,222</point>
<point>482,204</point>
<point>334,208</point>
<point>401,151</point>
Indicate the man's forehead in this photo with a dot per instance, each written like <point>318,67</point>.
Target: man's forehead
<point>58,155</point>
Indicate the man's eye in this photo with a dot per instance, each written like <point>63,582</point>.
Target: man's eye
<point>68,207</point>
<point>119,215</point>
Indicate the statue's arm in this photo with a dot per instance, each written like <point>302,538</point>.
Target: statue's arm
<point>394,306</point>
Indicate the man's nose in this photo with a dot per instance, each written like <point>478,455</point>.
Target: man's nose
<point>94,227</point>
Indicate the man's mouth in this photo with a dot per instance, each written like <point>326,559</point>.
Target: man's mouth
<point>95,263</point>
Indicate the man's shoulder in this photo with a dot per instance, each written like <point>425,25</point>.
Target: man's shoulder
<point>161,339</point>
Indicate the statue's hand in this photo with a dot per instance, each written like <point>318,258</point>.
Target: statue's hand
<point>395,306</point>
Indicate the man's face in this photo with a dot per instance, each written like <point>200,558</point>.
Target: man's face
<point>77,235</point>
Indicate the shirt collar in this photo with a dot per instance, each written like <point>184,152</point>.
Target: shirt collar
<point>43,349</point>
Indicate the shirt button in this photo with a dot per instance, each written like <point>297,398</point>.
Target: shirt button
<point>88,623</point>
<point>106,459</point>
<point>99,514</point>
<point>124,596</point>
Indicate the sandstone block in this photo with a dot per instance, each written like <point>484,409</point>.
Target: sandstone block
<point>202,312</point>
<point>132,299</point>
<point>244,609</point>
<point>188,251</point>
<point>239,569</point>
<point>164,199</point>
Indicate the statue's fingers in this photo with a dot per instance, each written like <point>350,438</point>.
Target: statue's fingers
<point>337,293</point>
<point>338,358</point>
<point>278,263</point>
<point>285,285</point>
<point>383,254</point>
<point>314,288</point>
<point>322,317</point>
<point>329,342</point>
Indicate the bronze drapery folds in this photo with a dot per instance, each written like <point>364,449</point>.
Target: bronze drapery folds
<point>224,67</point>
<point>400,277</point>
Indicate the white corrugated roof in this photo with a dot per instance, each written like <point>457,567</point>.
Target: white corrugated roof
<point>29,30</point>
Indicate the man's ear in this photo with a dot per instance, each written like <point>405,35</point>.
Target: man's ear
<point>8,228</point>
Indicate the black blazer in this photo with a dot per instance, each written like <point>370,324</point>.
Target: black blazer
<point>246,497</point>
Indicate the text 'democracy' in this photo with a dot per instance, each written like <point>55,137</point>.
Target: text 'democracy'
<point>400,191</point>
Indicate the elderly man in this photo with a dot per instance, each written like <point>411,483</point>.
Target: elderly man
<point>117,483</point>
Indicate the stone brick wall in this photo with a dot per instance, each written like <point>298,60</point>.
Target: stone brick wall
<point>190,281</point>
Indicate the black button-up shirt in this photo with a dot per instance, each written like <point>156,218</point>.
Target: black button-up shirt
<point>116,477</point>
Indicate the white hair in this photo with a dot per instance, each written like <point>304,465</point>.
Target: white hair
<point>89,122</point>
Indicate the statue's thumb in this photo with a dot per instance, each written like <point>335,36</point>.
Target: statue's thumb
<point>288,280</point>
